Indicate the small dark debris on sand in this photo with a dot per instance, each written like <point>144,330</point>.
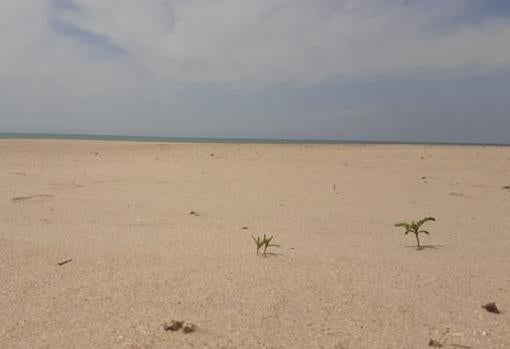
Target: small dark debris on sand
<point>188,327</point>
<point>173,325</point>
<point>491,308</point>
<point>453,193</point>
<point>507,187</point>
<point>18,173</point>
<point>244,228</point>
<point>435,344</point>
<point>212,154</point>
<point>193,213</point>
<point>65,262</point>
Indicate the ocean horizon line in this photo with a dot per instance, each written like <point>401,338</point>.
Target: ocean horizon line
<point>233,140</point>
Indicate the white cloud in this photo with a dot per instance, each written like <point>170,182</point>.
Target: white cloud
<point>257,42</point>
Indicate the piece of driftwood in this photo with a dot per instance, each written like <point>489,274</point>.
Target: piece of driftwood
<point>65,262</point>
<point>22,198</point>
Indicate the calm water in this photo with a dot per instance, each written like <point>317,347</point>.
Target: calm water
<point>211,140</point>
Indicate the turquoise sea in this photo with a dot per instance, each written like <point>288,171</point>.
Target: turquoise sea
<point>7,135</point>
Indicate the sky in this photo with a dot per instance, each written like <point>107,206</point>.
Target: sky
<point>391,70</point>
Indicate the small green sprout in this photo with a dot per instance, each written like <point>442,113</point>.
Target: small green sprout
<point>263,242</point>
<point>414,227</point>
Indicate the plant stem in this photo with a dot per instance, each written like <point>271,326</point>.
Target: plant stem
<point>417,239</point>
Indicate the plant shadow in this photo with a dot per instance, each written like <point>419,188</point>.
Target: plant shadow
<point>424,247</point>
<point>270,254</point>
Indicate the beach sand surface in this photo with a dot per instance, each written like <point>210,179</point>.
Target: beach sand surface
<point>344,276</point>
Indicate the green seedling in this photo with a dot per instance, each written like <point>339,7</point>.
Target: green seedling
<point>264,242</point>
<point>414,227</point>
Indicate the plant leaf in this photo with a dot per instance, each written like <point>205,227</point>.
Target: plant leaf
<point>424,220</point>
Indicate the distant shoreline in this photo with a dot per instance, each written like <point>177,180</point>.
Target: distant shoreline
<point>63,136</point>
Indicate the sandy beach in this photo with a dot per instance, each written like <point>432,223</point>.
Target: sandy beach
<point>344,276</point>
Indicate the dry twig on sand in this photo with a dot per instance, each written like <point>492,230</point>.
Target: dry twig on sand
<point>65,262</point>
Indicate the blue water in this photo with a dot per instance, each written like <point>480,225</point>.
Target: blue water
<point>6,135</point>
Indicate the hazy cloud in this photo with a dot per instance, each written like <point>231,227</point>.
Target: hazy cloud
<point>265,41</point>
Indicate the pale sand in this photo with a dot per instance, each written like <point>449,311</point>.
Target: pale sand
<point>344,276</point>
